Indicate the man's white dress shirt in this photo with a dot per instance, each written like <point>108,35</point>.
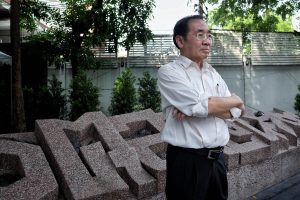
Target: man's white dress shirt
<point>184,86</point>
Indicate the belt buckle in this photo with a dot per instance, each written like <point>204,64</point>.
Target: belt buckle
<point>214,152</point>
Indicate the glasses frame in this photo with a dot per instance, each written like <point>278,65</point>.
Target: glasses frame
<point>203,36</point>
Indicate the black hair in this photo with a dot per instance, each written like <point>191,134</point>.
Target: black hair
<point>181,27</point>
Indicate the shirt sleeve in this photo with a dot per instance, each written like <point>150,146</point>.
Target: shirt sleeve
<point>177,91</point>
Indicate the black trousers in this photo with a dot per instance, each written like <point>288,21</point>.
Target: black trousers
<point>191,176</point>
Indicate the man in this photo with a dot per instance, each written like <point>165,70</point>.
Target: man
<point>195,103</point>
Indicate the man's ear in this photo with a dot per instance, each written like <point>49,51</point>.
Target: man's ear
<point>179,41</point>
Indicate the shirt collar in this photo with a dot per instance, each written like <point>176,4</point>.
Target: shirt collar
<point>186,62</point>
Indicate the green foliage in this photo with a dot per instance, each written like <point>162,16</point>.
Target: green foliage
<point>247,16</point>
<point>58,98</point>
<point>124,94</point>
<point>33,10</point>
<point>84,24</point>
<point>88,23</point>
<point>264,15</point>
<point>297,102</point>
<point>84,96</point>
<point>56,49</point>
<point>284,25</point>
<point>44,102</point>
<point>148,95</point>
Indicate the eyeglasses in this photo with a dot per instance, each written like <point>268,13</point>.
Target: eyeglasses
<point>203,36</point>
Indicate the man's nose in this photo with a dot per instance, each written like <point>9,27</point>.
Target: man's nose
<point>206,41</point>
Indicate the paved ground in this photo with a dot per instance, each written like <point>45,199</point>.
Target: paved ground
<point>288,189</point>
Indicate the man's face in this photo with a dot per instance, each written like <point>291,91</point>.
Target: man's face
<point>197,43</point>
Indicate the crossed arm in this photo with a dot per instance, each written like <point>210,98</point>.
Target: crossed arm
<point>178,91</point>
<point>221,106</point>
<point>218,107</point>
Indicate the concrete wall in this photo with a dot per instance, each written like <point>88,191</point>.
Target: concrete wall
<point>272,86</point>
<point>264,87</point>
<point>261,87</point>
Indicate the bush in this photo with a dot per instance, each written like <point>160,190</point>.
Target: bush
<point>124,94</point>
<point>297,102</point>
<point>148,95</point>
<point>59,108</point>
<point>84,96</point>
<point>44,102</point>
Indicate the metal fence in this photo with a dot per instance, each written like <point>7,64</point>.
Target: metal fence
<point>226,51</point>
<point>275,49</point>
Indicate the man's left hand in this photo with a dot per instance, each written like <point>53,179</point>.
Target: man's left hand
<point>178,114</point>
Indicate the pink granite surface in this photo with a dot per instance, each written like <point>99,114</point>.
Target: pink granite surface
<point>29,163</point>
<point>123,157</point>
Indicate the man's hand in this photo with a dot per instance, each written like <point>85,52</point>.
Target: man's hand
<point>178,114</point>
<point>220,106</point>
<point>223,112</point>
<point>242,105</point>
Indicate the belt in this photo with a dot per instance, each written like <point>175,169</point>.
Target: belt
<point>209,153</point>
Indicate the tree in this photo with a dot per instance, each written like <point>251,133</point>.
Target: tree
<point>148,95</point>
<point>83,24</point>
<point>247,16</point>
<point>44,102</point>
<point>18,117</point>
<point>200,8</point>
<point>32,11</point>
<point>124,94</point>
<point>297,102</point>
<point>88,23</point>
<point>262,15</point>
<point>20,18</point>
<point>84,96</point>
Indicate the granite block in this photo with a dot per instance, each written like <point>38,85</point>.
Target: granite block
<point>130,123</point>
<point>128,165</point>
<point>27,137</point>
<point>36,180</point>
<point>149,149</point>
<point>123,157</point>
<point>237,133</point>
<point>231,156</point>
<point>110,183</point>
<point>74,178</point>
